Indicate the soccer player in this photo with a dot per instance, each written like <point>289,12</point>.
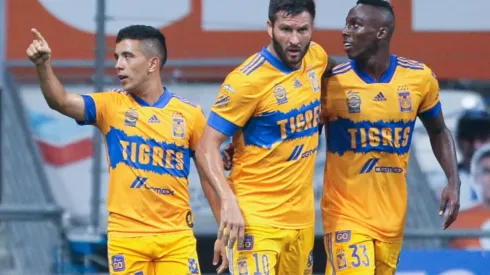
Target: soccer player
<point>270,105</point>
<point>151,135</point>
<point>370,108</point>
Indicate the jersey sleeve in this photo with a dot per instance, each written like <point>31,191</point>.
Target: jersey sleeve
<point>235,104</point>
<point>197,130</point>
<point>430,106</point>
<point>95,108</point>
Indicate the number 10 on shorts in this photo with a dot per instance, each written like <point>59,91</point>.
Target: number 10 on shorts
<point>261,261</point>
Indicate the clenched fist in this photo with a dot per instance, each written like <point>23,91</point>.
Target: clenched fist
<point>39,51</point>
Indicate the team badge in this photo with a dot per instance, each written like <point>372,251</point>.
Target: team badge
<point>310,259</point>
<point>353,102</point>
<point>404,99</point>
<point>243,268</point>
<point>315,84</point>
<point>193,266</point>
<point>341,260</point>
<point>130,118</point>
<point>280,94</point>
<point>178,125</point>
<point>189,219</point>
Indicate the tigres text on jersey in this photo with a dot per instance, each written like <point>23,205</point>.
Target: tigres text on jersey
<point>370,126</point>
<point>149,149</point>
<point>272,112</point>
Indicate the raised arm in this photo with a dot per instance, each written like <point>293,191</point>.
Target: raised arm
<point>71,105</point>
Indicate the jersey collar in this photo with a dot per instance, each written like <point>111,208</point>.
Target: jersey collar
<point>385,78</point>
<point>160,103</point>
<point>276,62</point>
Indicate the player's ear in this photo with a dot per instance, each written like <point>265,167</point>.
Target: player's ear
<point>382,33</point>
<point>270,27</point>
<point>154,64</point>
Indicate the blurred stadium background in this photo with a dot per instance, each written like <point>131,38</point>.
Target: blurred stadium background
<point>53,173</point>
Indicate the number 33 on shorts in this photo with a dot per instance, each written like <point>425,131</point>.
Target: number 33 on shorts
<point>347,252</point>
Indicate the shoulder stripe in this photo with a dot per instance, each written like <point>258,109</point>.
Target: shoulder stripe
<point>410,61</point>
<point>250,63</point>
<point>254,66</point>
<point>119,91</point>
<point>340,67</point>
<point>342,70</point>
<point>412,67</point>
<point>183,100</point>
<point>409,64</point>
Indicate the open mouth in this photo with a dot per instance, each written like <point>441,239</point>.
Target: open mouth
<point>122,77</point>
<point>347,45</point>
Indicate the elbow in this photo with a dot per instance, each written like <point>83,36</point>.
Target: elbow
<point>53,105</point>
<point>56,104</point>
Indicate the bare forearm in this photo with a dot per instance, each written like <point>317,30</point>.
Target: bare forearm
<point>52,89</point>
<point>443,147</point>
<point>209,159</point>
<point>213,199</point>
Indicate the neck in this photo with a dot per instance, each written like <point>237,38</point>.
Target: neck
<point>375,65</point>
<point>270,48</point>
<point>151,92</point>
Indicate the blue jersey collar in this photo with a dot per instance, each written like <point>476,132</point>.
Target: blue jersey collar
<point>160,103</point>
<point>385,78</point>
<point>276,62</point>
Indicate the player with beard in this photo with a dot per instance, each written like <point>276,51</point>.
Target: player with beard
<point>270,105</point>
<point>370,109</point>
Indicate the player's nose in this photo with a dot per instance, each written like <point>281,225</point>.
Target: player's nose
<point>294,39</point>
<point>345,32</point>
<point>118,64</point>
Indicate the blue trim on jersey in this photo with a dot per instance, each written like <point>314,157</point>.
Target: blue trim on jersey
<point>222,125</point>
<point>277,63</point>
<point>385,78</point>
<point>432,112</point>
<point>160,103</point>
<point>156,156</point>
<point>90,111</point>
<point>270,128</point>
<point>365,137</point>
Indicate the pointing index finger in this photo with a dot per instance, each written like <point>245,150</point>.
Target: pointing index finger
<point>38,35</point>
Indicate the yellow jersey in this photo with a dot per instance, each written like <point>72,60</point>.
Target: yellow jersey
<point>273,112</point>
<point>149,148</point>
<point>369,130</point>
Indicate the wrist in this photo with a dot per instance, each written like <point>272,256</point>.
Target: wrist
<point>44,64</point>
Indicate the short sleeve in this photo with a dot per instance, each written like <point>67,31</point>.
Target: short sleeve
<point>197,130</point>
<point>430,106</point>
<point>235,104</point>
<point>95,106</point>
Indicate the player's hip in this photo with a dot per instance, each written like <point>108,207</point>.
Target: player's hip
<point>272,250</point>
<point>387,232</point>
<point>293,220</point>
<point>175,251</point>
<point>148,223</point>
<point>351,252</point>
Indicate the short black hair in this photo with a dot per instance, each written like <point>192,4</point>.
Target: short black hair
<point>389,16</point>
<point>473,124</point>
<point>291,7</point>
<point>149,34</point>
